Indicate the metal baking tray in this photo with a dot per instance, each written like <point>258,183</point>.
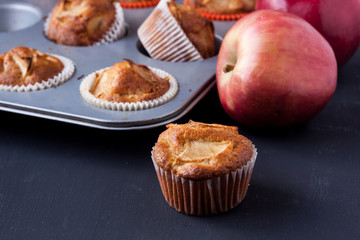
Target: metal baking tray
<point>22,25</point>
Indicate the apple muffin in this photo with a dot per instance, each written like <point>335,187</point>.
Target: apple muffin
<point>128,83</point>
<point>222,9</point>
<point>85,22</point>
<point>203,168</point>
<point>177,33</point>
<point>25,69</point>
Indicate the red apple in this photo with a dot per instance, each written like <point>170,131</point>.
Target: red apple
<point>337,20</point>
<point>274,69</point>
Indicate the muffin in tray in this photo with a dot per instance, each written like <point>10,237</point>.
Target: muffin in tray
<point>222,9</point>
<point>128,86</point>
<point>177,33</point>
<point>203,168</point>
<point>85,22</point>
<point>26,69</point>
<point>138,3</point>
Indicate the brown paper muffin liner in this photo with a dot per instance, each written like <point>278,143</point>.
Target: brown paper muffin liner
<point>88,82</point>
<point>217,16</point>
<point>164,39</point>
<point>205,197</point>
<point>115,32</point>
<point>140,4</point>
<point>66,74</point>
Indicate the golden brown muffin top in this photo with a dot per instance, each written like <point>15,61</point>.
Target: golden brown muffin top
<point>80,22</point>
<point>223,6</point>
<point>23,66</point>
<point>199,151</point>
<point>129,82</point>
<point>199,30</point>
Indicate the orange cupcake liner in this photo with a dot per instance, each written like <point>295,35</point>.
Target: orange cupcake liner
<point>217,16</point>
<point>142,4</point>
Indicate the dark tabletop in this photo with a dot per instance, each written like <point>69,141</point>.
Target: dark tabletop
<point>63,181</point>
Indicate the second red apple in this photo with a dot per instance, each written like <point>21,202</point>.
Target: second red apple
<point>337,20</point>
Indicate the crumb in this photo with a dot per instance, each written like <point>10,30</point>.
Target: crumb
<point>67,50</point>
<point>190,90</point>
<point>80,77</point>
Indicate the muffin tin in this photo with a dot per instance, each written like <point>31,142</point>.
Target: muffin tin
<point>64,103</point>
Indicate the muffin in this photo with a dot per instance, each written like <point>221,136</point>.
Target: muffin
<point>138,3</point>
<point>24,69</point>
<point>128,86</point>
<point>203,168</point>
<point>222,9</point>
<point>177,33</point>
<point>85,22</point>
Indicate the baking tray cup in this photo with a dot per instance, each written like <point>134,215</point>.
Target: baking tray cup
<point>64,103</point>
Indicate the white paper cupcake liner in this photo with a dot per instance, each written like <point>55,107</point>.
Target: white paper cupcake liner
<point>88,82</point>
<point>47,24</point>
<point>66,74</point>
<point>116,31</point>
<point>164,39</point>
<point>205,197</point>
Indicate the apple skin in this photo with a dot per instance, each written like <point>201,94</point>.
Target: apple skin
<point>337,20</point>
<point>274,69</point>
